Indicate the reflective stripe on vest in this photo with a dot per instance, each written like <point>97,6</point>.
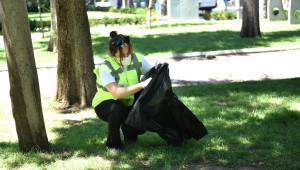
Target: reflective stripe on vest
<point>116,73</point>
<point>128,78</point>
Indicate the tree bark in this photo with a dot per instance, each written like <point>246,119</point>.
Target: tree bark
<point>250,26</point>
<point>265,8</point>
<point>76,83</point>
<point>165,9</point>
<point>52,45</point>
<point>24,85</point>
<point>149,13</point>
<point>131,4</point>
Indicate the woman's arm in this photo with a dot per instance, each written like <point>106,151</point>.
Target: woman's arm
<point>146,65</point>
<point>123,92</point>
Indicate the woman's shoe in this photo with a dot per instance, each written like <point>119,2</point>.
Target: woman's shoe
<point>118,146</point>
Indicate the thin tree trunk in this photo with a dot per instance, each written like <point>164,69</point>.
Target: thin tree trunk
<point>149,13</point>
<point>76,83</point>
<point>131,4</point>
<point>265,8</point>
<point>250,26</point>
<point>165,9</point>
<point>52,45</point>
<point>123,3</point>
<point>24,85</point>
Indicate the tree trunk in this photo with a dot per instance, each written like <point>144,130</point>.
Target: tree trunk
<point>131,4</point>
<point>24,85</point>
<point>76,83</point>
<point>250,26</point>
<point>149,13</point>
<point>265,8</point>
<point>123,3</point>
<point>52,45</point>
<point>165,9</point>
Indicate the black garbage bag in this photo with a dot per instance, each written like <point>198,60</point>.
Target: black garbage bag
<point>158,109</point>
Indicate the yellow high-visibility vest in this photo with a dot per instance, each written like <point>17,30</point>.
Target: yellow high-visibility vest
<point>123,78</point>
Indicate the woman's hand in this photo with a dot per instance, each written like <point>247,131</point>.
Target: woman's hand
<point>145,82</point>
<point>123,92</point>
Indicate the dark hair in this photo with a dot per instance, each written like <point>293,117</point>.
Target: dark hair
<point>116,41</point>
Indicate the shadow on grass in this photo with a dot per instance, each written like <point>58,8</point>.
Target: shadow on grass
<point>200,41</point>
<point>41,45</point>
<point>249,123</point>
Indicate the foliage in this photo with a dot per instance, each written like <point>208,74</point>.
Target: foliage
<point>275,11</point>
<point>36,25</point>
<point>207,15</point>
<point>223,15</point>
<point>96,8</point>
<point>118,21</point>
<point>297,14</point>
<point>138,11</point>
<point>123,10</point>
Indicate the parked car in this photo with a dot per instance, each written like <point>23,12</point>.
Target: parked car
<point>207,4</point>
<point>104,4</point>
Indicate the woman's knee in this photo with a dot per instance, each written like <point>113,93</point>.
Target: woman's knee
<point>118,111</point>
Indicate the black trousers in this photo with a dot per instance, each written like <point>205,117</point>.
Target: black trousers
<point>115,113</point>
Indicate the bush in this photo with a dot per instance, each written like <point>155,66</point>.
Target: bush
<point>207,15</point>
<point>143,11</point>
<point>94,22</point>
<point>230,15</point>
<point>112,9</point>
<point>127,11</point>
<point>275,11</point>
<point>139,11</point>
<point>297,14</point>
<point>223,15</point>
<point>106,21</point>
<point>118,21</point>
<point>96,8</point>
<point>36,25</point>
<point>286,13</point>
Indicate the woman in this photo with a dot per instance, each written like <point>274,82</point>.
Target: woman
<point>118,80</point>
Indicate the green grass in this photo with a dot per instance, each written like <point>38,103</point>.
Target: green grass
<point>36,16</point>
<point>185,37</point>
<point>161,44</point>
<point>250,124</point>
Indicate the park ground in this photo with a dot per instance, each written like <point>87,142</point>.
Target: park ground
<point>252,119</point>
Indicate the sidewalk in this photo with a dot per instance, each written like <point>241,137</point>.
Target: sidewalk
<point>224,66</point>
<point>212,54</point>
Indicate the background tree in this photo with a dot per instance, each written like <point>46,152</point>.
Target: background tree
<point>250,25</point>
<point>24,85</point>
<point>76,83</point>
<point>131,5</point>
<point>265,8</point>
<point>164,9</point>
<point>52,46</point>
<point>149,12</point>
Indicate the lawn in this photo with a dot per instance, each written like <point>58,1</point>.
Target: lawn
<point>250,124</point>
<point>170,38</point>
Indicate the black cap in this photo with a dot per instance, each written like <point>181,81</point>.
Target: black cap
<point>119,40</point>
